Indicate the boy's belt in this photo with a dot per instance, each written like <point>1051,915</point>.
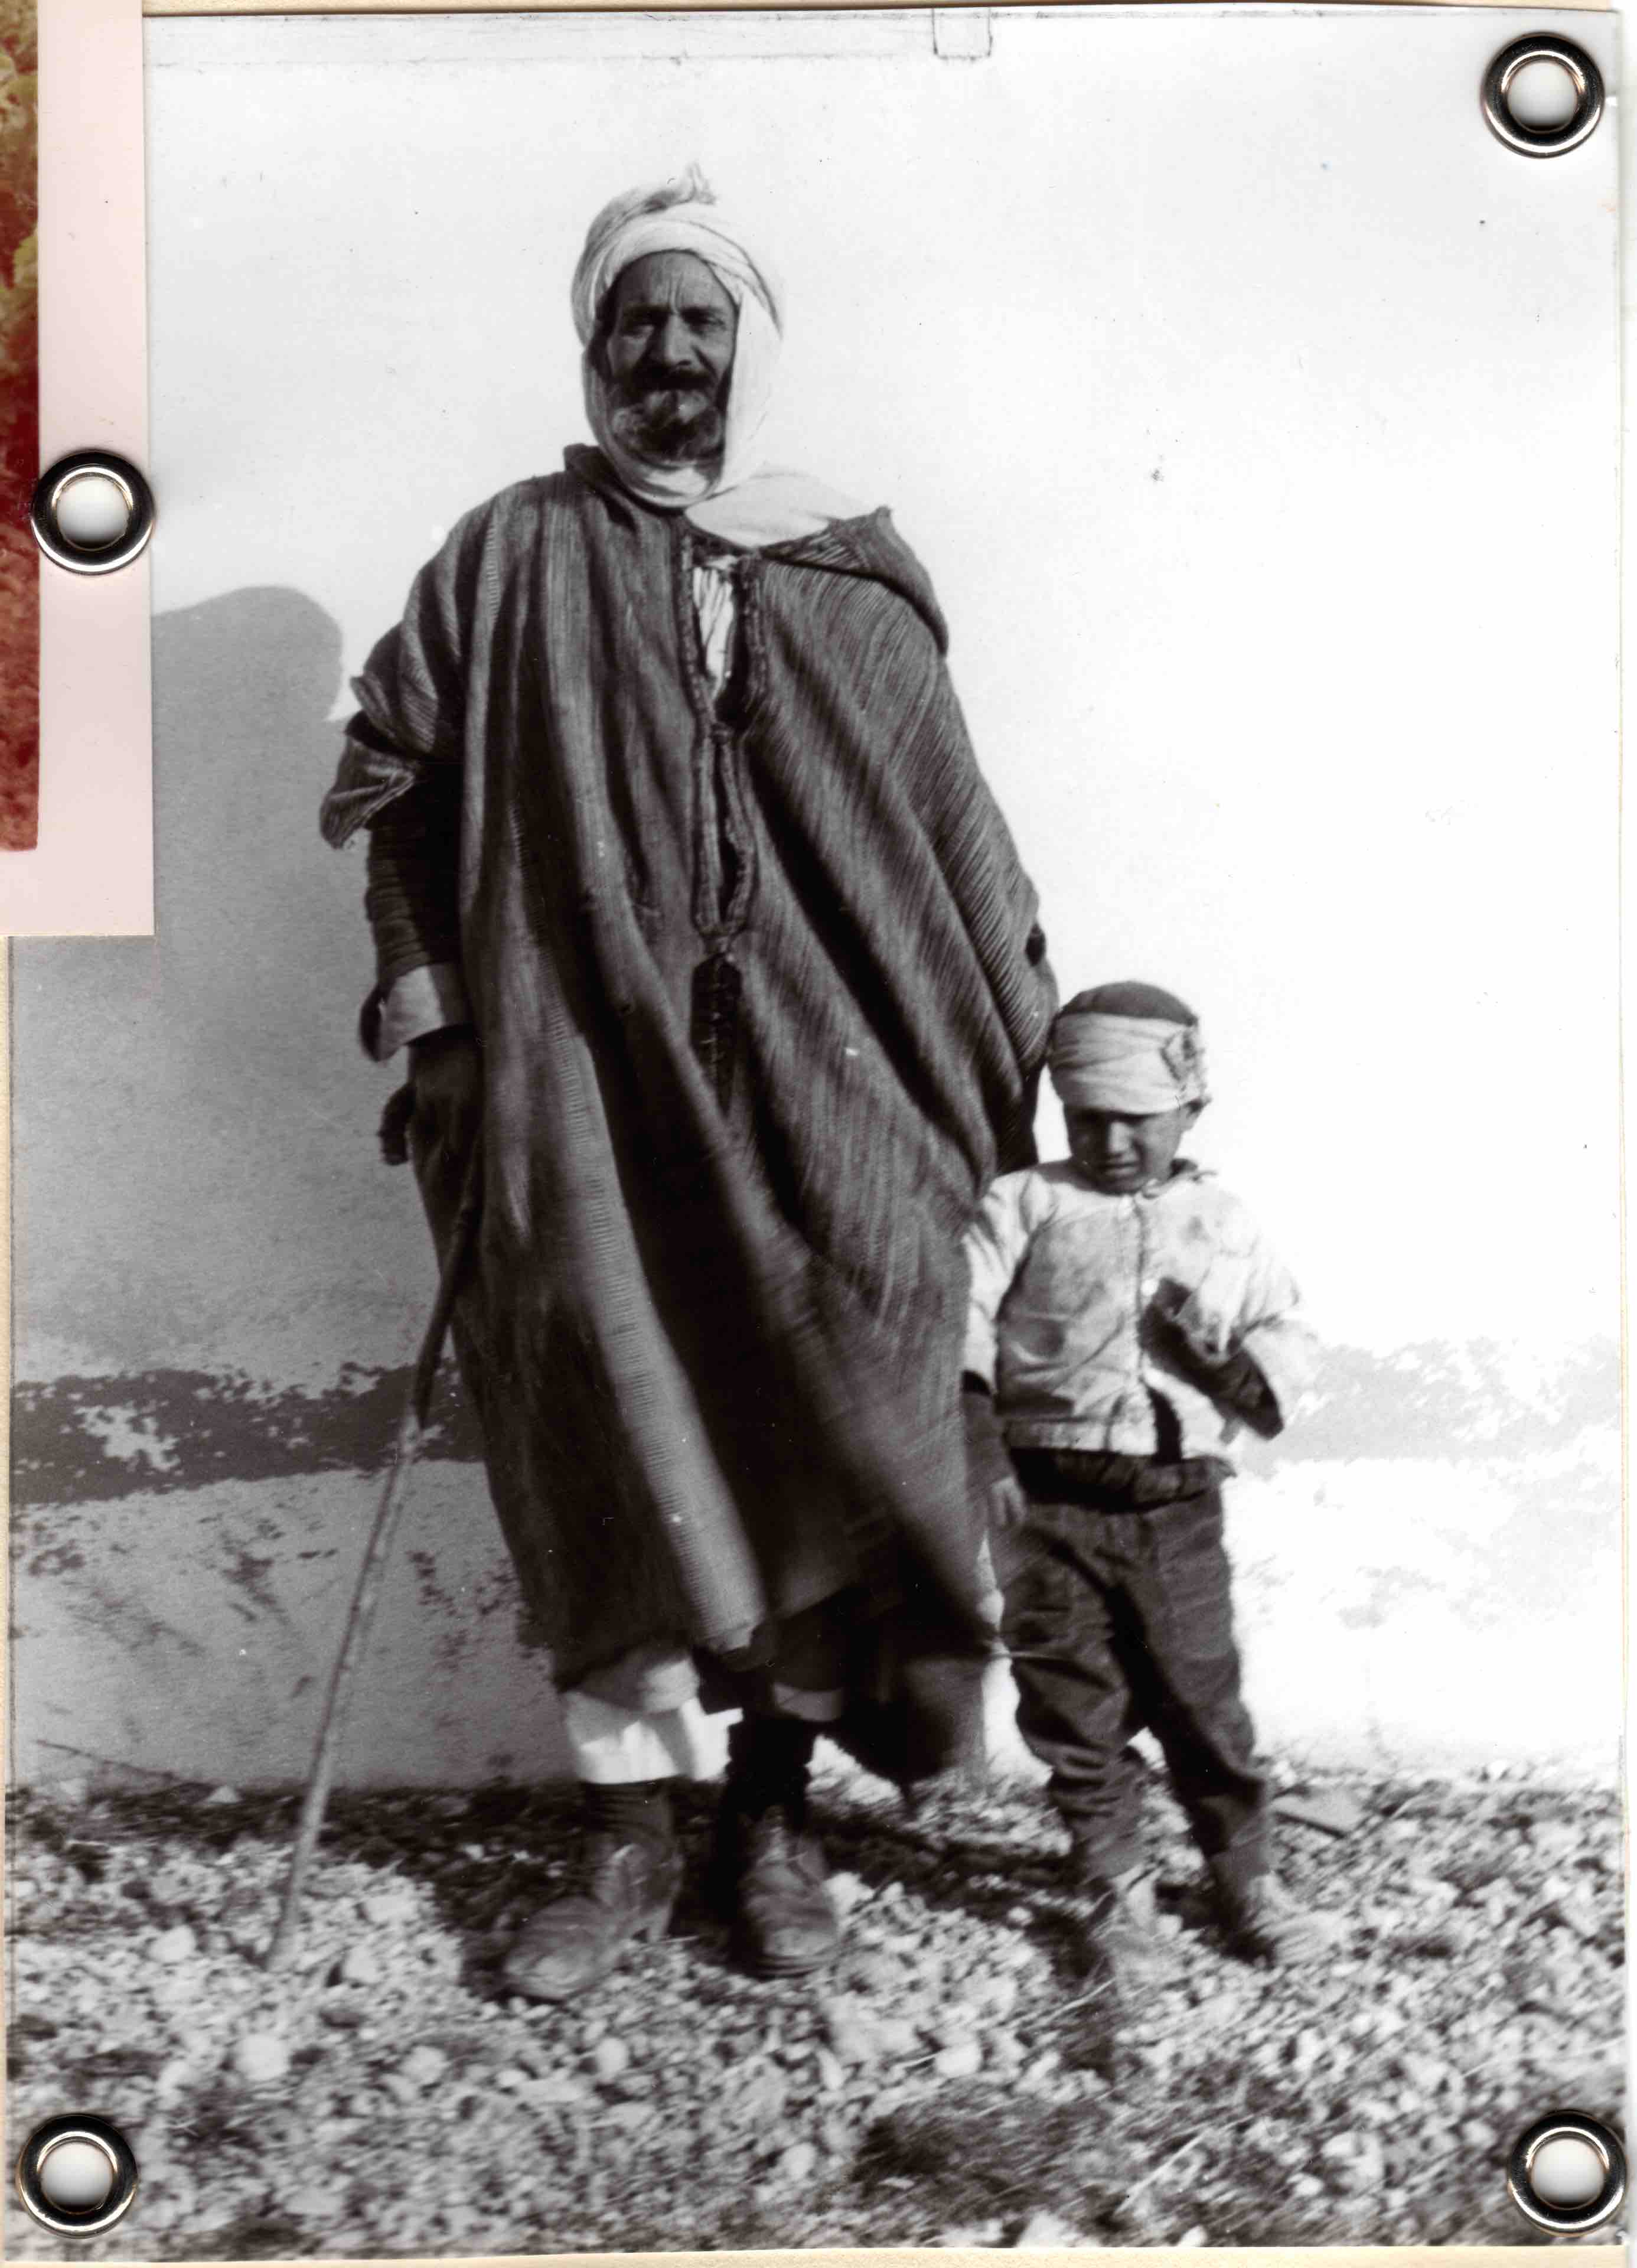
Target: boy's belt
<point>1093,1476</point>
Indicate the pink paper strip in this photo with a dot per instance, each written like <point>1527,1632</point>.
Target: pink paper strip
<point>91,872</point>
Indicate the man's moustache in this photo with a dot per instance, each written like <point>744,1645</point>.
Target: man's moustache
<point>670,427</point>
<point>657,390</point>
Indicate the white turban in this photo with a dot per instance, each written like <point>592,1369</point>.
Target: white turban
<point>682,216</point>
<point>1135,1066</point>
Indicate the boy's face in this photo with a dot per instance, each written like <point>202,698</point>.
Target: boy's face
<point>1120,1153</point>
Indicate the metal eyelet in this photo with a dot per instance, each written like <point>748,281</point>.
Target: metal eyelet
<point>92,558</point>
<point>70,2221</point>
<point>1542,141</point>
<point>1567,2219</point>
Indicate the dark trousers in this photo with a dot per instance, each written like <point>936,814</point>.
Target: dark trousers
<point>1118,1618</point>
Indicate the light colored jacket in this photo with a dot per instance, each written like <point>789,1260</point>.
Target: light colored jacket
<point>1062,1278</point>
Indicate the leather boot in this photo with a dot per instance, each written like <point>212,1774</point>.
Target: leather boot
<point>623,1889</point>
<point>783,1922</point>
<point>1120,1934</point>
<point>1263,1922</point>
<point>767,1871</point>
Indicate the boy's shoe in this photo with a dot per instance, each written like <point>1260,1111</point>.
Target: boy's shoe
<point>1263,1922</point>
<point>1119,1932</point>
<point>770,1877</point>
<point>623,1891</point>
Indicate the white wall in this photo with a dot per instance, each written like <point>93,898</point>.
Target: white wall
<point>1254,411</point>
<point>1396,1613</point>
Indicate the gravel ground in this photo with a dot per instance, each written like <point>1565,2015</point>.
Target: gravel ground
<point>948,2082</point>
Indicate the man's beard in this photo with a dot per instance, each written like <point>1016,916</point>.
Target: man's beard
<point>674,424</point>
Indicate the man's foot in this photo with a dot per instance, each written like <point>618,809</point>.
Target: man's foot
<point>1119,1934</point>
<point>1263,1922</point>
<point>624,1890</point>
<point>767,1871</point>
<point>770,1877</point>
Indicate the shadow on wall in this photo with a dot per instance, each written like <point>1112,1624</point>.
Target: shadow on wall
<point>264,944</point>
<point>218,1287</point>
<point>198,1183</point>
<point>261,937</point>
<point>218,1284</point>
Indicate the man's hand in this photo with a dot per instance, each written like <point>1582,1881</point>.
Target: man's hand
<point>446,1073</point>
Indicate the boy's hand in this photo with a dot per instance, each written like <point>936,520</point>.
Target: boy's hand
<point>1178,1335</point>
<point>1007,1507</point>
<point>1176,1315</point>
<point>990,1473</point>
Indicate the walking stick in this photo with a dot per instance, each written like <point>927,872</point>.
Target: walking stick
<point>355,1637</point>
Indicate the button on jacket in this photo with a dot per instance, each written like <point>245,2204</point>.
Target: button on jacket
<point>1064,1283</point>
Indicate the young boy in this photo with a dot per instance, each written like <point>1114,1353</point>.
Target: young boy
<point>1127,1321</point>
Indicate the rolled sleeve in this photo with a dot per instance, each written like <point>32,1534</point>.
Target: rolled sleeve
<point>1285,1353</point>
<point>422,1001</point>
<point>1271,1330</point>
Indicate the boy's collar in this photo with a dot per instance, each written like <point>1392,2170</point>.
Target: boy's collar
<point>1182,1169</point>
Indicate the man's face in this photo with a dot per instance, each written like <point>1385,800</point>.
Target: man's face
<point>1119,1152</point>
<point>667,352</point>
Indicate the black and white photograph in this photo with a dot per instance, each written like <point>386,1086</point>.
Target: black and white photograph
<point>816,1429</point>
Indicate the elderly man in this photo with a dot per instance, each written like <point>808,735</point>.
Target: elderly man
<point>696,916</point>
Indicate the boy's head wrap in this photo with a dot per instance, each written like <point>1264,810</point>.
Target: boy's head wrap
<point>1127,1047</point>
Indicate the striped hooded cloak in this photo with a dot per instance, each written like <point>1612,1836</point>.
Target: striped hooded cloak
<point>762,1003</point>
